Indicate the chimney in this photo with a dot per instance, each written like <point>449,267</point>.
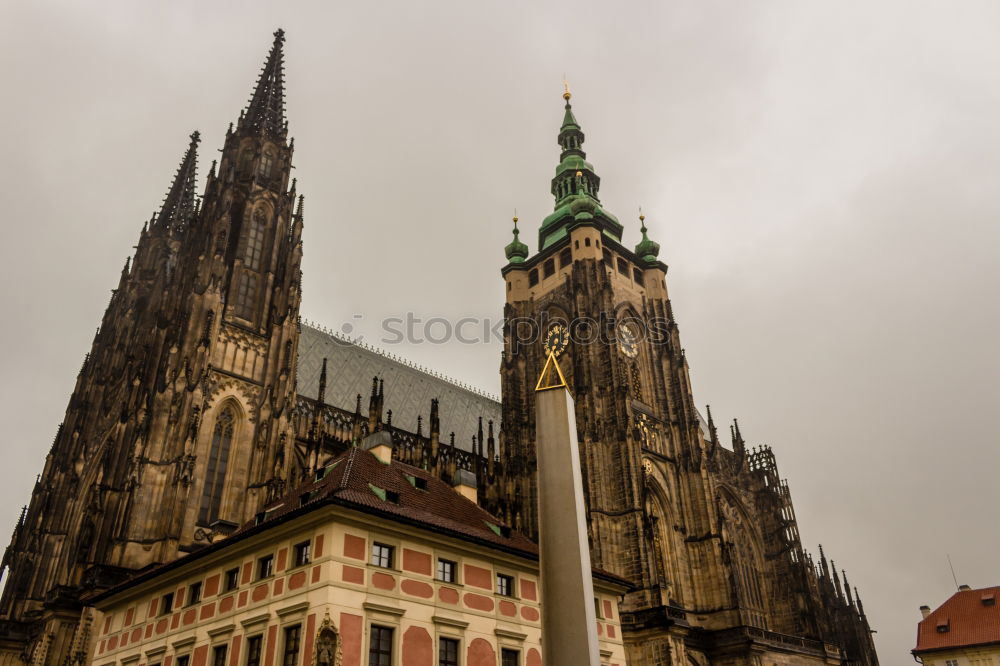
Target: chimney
<point>380,444</point>
<point>925,611</point>
<point>465,483</point>
<point>964,588</point>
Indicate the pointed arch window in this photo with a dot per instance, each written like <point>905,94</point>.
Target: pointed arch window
<point>215,470</point>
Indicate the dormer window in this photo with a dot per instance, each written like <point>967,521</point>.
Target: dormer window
<point>988,599</point>
<point>943,626</point>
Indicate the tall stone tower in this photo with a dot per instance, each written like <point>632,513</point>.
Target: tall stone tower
<point>179,424</point>
<point>707,534</point>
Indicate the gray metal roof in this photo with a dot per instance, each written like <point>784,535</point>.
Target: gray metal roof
<point>408,389</point>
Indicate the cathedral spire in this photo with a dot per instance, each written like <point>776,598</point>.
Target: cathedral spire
<point>180,204</point>
<point>265,114</point>
<point>575,187</point>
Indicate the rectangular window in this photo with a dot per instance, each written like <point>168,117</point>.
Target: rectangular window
<point>622,266</point>
<point>510,657</point>
<point>607,257</point>
<point>446,571</point>
<point>194,594</point>
<point>302,554</point>
<point>184,660</point>
<point>597,608</point>
<point>265,567</point>
<point>167,603</point>
<point>549,267</point>
<point>566,257</point>
<point>291,654</point>
<point>637,276</point>
<point>505,585</point>
<point>447,652</point>
<point>380,646</point>
<point>533,278</point>
<point>382,555</point>
<point>254,644</point>
<point>232,580</point>
<point>219,655</point>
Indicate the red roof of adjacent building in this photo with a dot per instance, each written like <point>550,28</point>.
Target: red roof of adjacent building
<point>969,617</point>
<point>398,491</point>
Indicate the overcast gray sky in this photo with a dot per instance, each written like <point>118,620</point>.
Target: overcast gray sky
<point>822,177</point>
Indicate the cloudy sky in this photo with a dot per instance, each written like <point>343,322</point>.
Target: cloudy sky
<point>822,177</point>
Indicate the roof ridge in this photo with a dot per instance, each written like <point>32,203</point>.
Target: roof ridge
<point>399,359</point>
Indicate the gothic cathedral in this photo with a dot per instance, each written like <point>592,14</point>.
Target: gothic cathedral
<point>205,396</point>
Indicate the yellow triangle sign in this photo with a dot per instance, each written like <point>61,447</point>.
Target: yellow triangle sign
<point>552,376</point>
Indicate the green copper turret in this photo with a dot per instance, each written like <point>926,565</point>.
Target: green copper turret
<point>575,188</point>
<point>647,249</point>
<point>516,251</point>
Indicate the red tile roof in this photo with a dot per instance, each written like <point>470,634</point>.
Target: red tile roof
<point>359,480</point>
<point>968,619</point>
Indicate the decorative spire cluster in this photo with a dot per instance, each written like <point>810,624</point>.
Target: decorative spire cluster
<point>265,114</point>
<point>180,204</point>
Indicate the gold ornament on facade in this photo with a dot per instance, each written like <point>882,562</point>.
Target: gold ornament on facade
<point>628,339</point>
<point>556,339</point>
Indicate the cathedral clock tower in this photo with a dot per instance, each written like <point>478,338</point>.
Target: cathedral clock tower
<point>603,309</point>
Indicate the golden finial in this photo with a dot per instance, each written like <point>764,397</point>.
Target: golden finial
<point>515,218</point>
<point>566,93</point>
<point>579,174</point>
<point>642,218</point>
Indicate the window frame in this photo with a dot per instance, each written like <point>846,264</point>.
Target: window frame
<point>233,584</point>
<point>292,630</point>
<point>391,555</point>
<point>452,642</point>
<point>506,652</point>
<point>566,256</point>
<point>258,656</point>
<point>511,585</point>
<point>216,649</point>
<point>371,644</point>
<point>453,577</point>
<point>269,561</point>
<point>193,595</point>
<point>300,549</point>
<point>166,604</point>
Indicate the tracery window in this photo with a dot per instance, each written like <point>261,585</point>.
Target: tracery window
<point>246,295</point>
<point>266,164</point>
<point>253,240</point>
<point>215,471</point>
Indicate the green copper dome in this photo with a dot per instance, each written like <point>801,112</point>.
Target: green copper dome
<point>516,251</point>
<point>647,249</point>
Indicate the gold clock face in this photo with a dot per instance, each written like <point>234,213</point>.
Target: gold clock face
<point>628,339</point>
<point>556,339</point>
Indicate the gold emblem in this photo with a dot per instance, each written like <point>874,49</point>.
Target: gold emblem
<point>647,466</point>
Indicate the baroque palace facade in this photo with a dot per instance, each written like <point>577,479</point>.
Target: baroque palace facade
<point>205,398</point>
